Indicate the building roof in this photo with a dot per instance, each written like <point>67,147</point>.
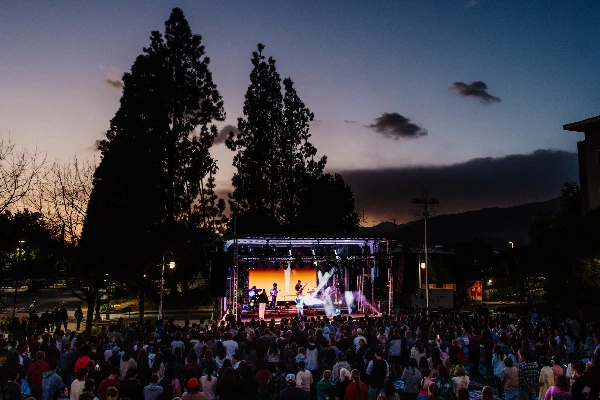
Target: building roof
<point>586,125</point>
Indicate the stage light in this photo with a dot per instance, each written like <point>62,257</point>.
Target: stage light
<point>277,266</point>
<point>265,266</point>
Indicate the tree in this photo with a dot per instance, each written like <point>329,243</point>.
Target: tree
<point>256,182</point>
<point>153,189</point>
<point>19,171</point>
<point>298,164</point>
<point>62,196</point>
<point>29,247</point>
<point>564,250</point>
<point>279,175</point>
<point>327,207</point>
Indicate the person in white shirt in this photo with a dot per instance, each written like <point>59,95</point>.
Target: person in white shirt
<point>78,384</point>
<point>231,346</point>
<point>303,378</point>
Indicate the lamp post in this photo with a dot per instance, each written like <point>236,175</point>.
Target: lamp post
<point>162,281</point>
<point>21,242</point>
<point>426,202</point>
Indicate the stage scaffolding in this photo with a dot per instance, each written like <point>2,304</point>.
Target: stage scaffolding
<point>320,252</point>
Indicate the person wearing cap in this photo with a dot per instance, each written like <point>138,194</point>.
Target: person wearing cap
<point>292,391</point>
<point>359,336</point>
<point>193,392</point>
<point>339,365</point>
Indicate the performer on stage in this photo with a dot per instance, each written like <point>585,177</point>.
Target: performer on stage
<point>299,306</point>
<point>273,293</point>
<point>262,304</point>
<point>299,288</point>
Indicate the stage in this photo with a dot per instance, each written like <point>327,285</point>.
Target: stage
<point>330,275</point>
<point>277,317</point>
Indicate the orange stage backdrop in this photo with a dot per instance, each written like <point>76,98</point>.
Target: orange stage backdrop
<point>285,279</point>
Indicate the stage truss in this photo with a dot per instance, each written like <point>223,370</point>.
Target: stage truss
<point>368,255</point>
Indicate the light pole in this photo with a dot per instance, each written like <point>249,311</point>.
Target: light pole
<point>426,202</point>
<point>21,242</point>
<point>162,281</point>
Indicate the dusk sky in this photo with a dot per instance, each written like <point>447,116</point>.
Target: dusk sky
<point>407,95</point>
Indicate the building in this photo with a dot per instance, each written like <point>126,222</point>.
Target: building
<point>588,151</point>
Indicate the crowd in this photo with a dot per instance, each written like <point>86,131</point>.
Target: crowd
<point>415,357</point>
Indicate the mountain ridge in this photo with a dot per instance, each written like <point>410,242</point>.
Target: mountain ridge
<point>495,225</point>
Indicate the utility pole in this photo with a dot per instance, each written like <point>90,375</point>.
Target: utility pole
<point>426,202</point>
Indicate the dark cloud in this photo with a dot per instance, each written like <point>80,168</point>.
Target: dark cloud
<point>224,133</point>
<point>477,90</point>
<point>94,147</point>
<point>396,126</point>
<point>348,121</point>
<point>470,185</point>
<point>117,84</point>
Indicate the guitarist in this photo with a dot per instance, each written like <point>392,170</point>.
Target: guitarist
<point>299,288</point>
<point>273,292</point>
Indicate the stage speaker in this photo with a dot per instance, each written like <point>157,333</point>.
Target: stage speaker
<point>220,265</point>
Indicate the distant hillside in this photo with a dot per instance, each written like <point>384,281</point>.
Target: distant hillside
<point>497,226</point>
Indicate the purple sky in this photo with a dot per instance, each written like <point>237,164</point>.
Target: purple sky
<point>418,61</point>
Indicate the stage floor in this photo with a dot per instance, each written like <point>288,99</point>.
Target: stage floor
<point>285,312</point>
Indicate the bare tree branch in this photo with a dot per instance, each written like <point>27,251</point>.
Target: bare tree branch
<point>20,171</point>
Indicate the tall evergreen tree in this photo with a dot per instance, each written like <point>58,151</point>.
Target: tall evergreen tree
<point>297,156</point>
<point>152,189</point>
<point>256,181</point>
<point>274,159</point>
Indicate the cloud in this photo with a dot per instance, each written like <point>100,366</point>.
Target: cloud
<point>471,185</point>
<point>224,133</point>
<point>117,84</point>
<point>477,90</point>
<point>95,146</point>
<point>113,77</point>
<point>396,126</point>
<point>348,121</point>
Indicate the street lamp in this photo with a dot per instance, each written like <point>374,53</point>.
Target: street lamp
<point>21,242</point>
<point>162,281</point>
<point>422,267</point>
<point>426,202</point>
<point>512,245</point>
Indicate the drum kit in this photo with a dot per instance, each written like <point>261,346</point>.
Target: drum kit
<point>252,298</point>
